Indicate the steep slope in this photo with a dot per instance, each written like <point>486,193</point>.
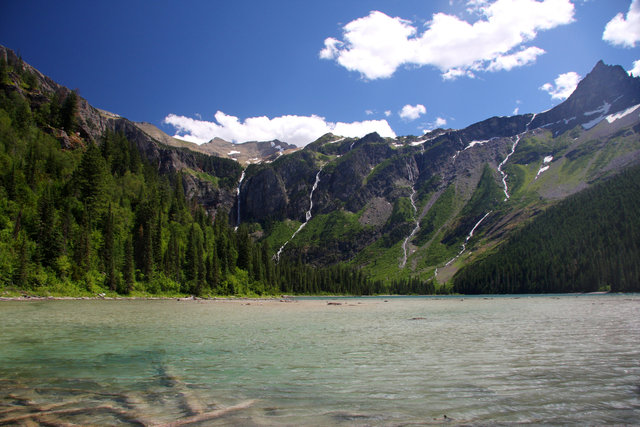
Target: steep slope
<point>425,206</point>
<point>210,181</point>
<point>581,244</point>
<point>409,208</point>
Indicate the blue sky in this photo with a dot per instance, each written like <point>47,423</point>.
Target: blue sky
<point>293,70</point>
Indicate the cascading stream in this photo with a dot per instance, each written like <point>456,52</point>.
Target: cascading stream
<point>308,216</point>
<point>238,200</point>
<point>504,162</point>
<point>506,191</point>
<point>469,236</point>
<point>415,215</point>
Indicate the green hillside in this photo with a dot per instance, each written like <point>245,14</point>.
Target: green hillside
<point>586,243</point>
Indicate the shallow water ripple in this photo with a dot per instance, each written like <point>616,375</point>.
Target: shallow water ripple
<point>566,360</point>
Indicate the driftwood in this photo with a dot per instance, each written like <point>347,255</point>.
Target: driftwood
<point>207,416</point>
<point>73,411</point>
<point>188,402</point>
<point>125,407</point>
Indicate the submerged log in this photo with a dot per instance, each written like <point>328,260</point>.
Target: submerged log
<point>207,416</point>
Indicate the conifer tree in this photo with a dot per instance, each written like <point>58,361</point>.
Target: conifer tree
<point>68,112</point>
<point>128,267</point>
<point>108,252</point>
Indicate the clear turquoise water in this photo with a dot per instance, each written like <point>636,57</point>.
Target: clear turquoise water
<point>568,360</point>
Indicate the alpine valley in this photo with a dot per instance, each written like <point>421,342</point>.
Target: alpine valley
<point>94,203</point>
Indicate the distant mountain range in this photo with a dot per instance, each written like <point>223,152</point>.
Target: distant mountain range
<point>245,153</point>
<point>406,207</point>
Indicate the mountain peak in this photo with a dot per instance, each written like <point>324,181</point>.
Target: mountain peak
<point>606,89</point>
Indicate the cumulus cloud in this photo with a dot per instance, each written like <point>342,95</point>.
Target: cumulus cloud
<point>412,112</point>
<point>624,30</point>
<point>377,45</point>
<point>298,130</point>
<point>563,86</point>
<point>439,122</point>
<point>635,71</point>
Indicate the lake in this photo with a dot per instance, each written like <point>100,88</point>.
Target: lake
<point>356,361</point>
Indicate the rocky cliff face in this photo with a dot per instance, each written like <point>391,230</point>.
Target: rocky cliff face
<point>411,204</point>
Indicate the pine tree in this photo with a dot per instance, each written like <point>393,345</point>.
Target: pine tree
<point>68,112</point>
<point>108,252</point>
<point>128,268</point>
<point>20,272</point>
<point>91,180</point>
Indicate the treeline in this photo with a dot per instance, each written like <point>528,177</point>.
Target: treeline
<point>100,218</point>
<point>586,243</point>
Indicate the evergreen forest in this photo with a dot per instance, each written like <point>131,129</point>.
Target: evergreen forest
<point>98,218</point>
<point>588,242</point>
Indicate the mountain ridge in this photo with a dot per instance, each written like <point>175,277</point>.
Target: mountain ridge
<point>411,207</point>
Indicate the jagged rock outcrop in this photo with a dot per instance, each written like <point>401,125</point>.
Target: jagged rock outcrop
<point>606,89</point>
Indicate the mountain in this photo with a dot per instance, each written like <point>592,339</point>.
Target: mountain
<point>418,206</point>
<point>245,153</point>
<point>210,181</point>
<point>355,215</point>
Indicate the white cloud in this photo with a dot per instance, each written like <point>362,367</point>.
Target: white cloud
<point>387,113</point>
<point>635,71</point>
<point>518,59</point>
<point>439,122</point>
<point>369,112</point>
<point>563,86</point>
<point>412,112</point>
<point>454,73</point>
<point>624,30</point>
<point>377,44</point>
<point>515,111</point>
<point>298,130</point>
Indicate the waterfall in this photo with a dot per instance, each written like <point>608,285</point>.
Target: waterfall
<point>415,214</point>
<point>513,150</point>
<point>308,216</point>
<point>504,175</point>
<point>238,200</point>
<point>469,236</point>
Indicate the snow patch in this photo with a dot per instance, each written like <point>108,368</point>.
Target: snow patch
<point>472,143</point>
<point>592,123</point>
<point>545,165</point>
<point>542,169</point>
<point>613,117</point>
<point>416,143</point>
<point>233,153</point>
<point>604,109</point>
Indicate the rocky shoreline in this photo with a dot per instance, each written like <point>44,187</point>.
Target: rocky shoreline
<point>283,298</point>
